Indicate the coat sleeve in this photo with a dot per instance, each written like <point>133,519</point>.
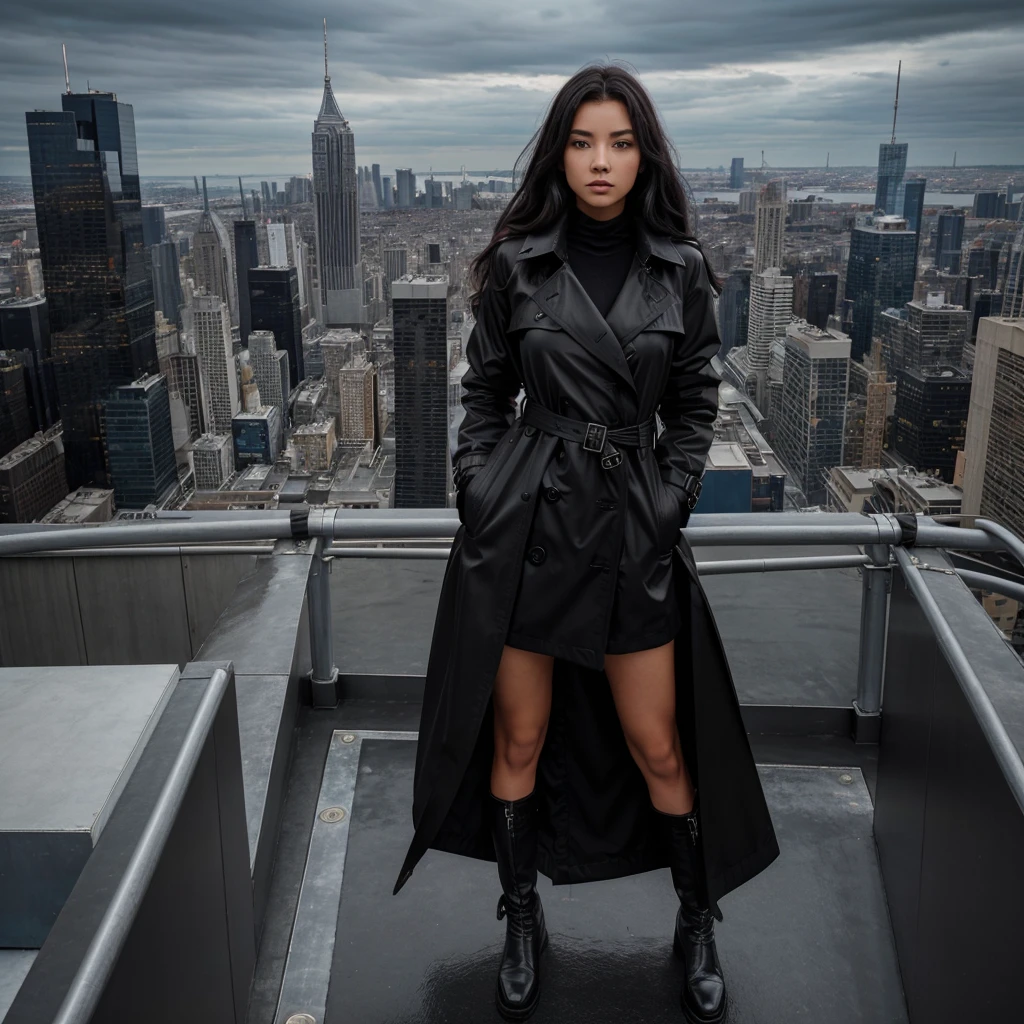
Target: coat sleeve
<point>493,380</point>
<point>689,403</point>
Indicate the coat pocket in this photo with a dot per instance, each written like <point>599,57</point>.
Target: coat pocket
<point>478,485</point>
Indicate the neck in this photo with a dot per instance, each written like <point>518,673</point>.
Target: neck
<point>601,212</point>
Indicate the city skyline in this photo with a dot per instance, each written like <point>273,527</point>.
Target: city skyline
<point>453,89</point>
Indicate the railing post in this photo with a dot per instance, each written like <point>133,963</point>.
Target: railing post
<point>874,614</point>
<point>324,675</point>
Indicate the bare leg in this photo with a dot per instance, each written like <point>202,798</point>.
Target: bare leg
<point>522,704</point>
<point>643,688</point>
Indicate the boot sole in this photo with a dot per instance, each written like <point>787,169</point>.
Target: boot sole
<point>691,1015</point>
<point>527,1009</point>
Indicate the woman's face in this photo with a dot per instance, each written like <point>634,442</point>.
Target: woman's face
<point>601,147</point>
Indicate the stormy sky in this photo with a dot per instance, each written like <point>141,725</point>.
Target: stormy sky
<point>231,87</point>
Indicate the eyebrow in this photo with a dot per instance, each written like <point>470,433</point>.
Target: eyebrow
<point>580,131</point>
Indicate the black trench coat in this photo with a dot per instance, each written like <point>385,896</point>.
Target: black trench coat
<point>537,328</point>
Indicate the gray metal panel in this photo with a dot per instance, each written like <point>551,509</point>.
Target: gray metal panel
<point>210,580</point>
<point>133,610</point>
<point>14,965</point>
<point>71,739</point>
<point>264,632</point>
<point>41,623</point>
<point>950,832</point>
<point>263,626</point>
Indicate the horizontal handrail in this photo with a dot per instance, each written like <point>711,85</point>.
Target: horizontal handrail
<point>1006,754</point>
<point>996,584</point>
<point>781,528</point>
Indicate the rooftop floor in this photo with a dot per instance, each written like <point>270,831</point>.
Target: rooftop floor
<point>808,939</point>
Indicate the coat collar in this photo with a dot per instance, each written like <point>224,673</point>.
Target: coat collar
<point>552,238</point>
<point>642,300</point>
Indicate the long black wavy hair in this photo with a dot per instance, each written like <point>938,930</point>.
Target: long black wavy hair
<point>657,195</point>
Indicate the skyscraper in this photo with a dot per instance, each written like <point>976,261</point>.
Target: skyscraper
<point>771,309</point>
<point>993,469</point>
<point>166,281</point>
<point>388,193</point>
<point>770,226</point>
<point>274,300</point>
<point>923,334</point>
<point>336,210</point>
<point>139,442</point>
<point>736,173</point>
<point>210,256</point>
<point>879,275</point>
<point>421,392</point>
<point>822,291</point>
<point>812,413</point>
<point>734,309</point>
<point>931,416</point>
<point>405,182</point>
<point>892,165</point>
<point>25,328</point>
<point>85,183</point>
<point>913,211</point>
<point>247,256</point>
<point>375,171</point>
<point>270,367</point>
<point>949,240</point>
<point>211,326</point>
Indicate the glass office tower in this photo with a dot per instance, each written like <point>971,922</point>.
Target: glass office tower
<point>879,275</point>
<point>85,183</point>
<point>892,165</point>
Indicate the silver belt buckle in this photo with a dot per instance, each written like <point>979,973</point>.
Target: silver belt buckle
<point>595,430</point>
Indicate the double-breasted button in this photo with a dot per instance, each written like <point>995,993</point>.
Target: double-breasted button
<point>537,555</point>
<point>552,494</point>
<point>525,495</point>
<point>540,315</point>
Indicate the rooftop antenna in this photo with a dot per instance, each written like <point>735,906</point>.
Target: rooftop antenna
<point>896,105</point>
<point>241,195</point>
<point>326,75</point>
<point>67,81</point>
<point>206,198</point>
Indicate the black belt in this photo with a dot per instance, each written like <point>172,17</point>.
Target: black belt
<point>595,437</point>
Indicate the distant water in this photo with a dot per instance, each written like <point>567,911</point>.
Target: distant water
<point>930,198</point>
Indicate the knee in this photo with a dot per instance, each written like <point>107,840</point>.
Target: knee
<point>662,759</point>
<point>519,747</point>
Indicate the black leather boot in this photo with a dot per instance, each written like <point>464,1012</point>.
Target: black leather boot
<point>703,996</point>
<point>514,830</point>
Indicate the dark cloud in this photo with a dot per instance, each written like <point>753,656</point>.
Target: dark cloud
<point>226,86</point>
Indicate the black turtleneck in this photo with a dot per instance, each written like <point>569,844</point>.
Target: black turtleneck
<point>600,254</point>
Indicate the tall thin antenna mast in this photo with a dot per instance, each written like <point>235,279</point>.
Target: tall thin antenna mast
<point>67,81</point>
<point>896,105</point>
<point>206,198</point>
<point>326,75</point>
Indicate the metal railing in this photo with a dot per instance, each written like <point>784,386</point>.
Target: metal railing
<point>337,533</point>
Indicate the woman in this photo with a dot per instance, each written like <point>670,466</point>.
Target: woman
<point>577,693</point>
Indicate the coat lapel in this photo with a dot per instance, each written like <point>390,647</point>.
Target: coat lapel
<point>641,300</point>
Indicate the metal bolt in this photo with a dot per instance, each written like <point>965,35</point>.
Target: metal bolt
<point>846,779</point>
<point>301,1018</point>
<point>349,737</point>
<point>332,814</point>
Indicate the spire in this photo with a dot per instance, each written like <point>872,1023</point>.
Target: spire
<point>329,110</point>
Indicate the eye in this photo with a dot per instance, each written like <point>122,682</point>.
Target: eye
<point>625,142</point>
